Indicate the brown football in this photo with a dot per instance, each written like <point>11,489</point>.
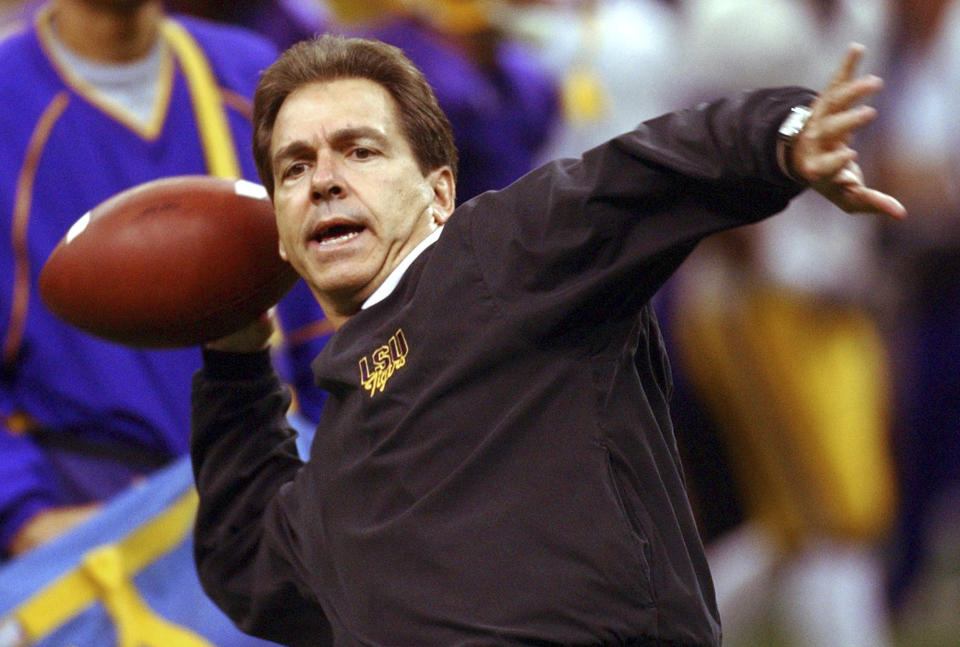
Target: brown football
<point>169,263</point>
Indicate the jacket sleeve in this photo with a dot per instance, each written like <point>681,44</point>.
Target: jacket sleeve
<point>608,229</point>
<point>244,454</point>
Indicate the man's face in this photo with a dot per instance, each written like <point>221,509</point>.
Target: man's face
<point>350,199</point>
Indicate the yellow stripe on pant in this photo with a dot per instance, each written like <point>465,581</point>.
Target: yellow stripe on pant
<point>106,574</point>
<point>800,388</point>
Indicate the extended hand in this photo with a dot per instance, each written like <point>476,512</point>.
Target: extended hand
<point>822,154</point>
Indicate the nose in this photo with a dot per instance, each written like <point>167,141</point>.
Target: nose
<point>326,183</point>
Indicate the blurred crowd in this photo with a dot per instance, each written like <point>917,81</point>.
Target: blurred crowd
<point>815,355</point>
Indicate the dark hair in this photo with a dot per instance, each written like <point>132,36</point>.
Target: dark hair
<point>328,58</point>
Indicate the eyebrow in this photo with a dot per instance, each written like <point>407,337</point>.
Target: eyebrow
<point>359,132</point>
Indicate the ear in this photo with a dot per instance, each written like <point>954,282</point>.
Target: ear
<point>444,194</point>
<point>283,252</point>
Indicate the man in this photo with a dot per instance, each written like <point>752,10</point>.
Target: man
<point>496,463</point>
<point>100,96</point>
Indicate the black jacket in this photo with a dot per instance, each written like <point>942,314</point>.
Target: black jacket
<point>496,463</point>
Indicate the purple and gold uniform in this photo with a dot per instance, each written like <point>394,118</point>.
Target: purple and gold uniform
<point>81,417</point>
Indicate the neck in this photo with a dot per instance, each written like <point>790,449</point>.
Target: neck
<point>337,319</point>
<point>105,32</point>
<point>337,311</point>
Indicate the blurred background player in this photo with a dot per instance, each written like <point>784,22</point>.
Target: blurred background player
<point>869,334</point>
<point>616,62</point>
<point>778,342</point>
<point>500,100</point>
<point>283,22</point>
<point>100,96</point>
<point>923,311</point>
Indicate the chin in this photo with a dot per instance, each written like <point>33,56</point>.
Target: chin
<point>339,287</point>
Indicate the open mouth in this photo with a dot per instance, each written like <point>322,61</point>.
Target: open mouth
<point>338,233</point>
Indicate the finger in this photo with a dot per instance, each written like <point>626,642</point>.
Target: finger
<point>840,97</point>
<point>866,200</point>
<point>825,166</point>
<point>849,65</point>
<point>840,125</point>
<point>849,175</point>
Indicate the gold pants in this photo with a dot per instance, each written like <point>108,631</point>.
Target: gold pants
<point>801,392</point>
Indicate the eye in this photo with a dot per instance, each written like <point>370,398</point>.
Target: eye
<point>294,169</point>
<point>361,153</point>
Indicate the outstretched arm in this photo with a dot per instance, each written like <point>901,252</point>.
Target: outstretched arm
<point>822,154</point>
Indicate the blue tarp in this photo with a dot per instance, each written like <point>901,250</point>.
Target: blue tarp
<point>168,586</point>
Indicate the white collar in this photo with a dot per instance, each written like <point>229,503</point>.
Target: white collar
<point>393,279</point>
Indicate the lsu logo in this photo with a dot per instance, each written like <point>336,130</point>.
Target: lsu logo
<point>383,363</point>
